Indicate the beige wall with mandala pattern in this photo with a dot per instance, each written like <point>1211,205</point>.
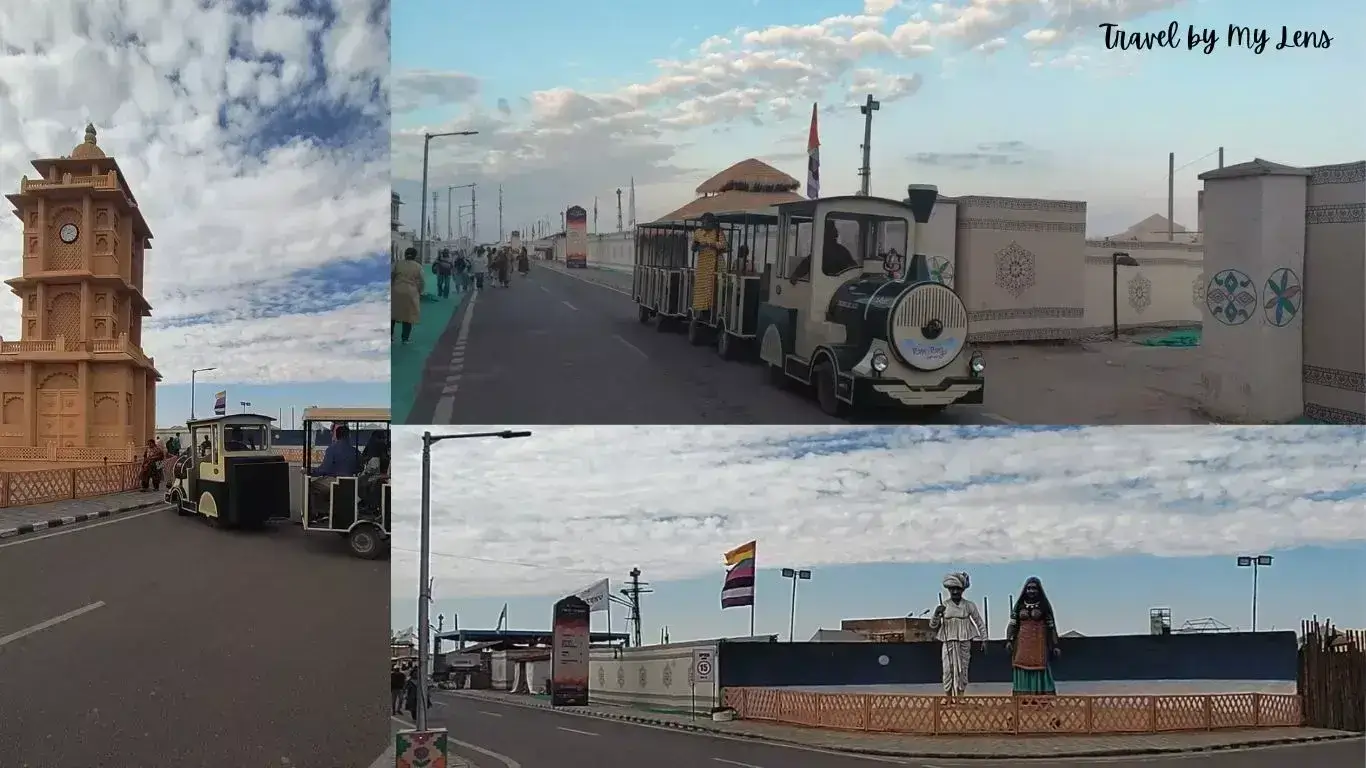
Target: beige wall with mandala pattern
<point>1020,266</point>
<point>1335,276</point>
<point>654,676</point>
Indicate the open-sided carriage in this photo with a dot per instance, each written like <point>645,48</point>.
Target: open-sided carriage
<point>828,291</point>
<point>347,493</point>
<point>230,473</point>
<point>667,274</point>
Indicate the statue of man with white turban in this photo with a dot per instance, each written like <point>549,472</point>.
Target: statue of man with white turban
<point>957,623</point>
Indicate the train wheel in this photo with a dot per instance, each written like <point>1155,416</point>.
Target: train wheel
<point>365,542</point>
<point>725,343</point>
<point>823,376</point>
<point>697,333</point>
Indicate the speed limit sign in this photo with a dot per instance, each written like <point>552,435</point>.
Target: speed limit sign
<point>704,665</point>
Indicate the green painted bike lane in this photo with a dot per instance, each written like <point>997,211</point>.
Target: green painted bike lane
<point>407,362</point>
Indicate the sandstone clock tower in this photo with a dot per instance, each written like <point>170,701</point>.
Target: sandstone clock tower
<point>77,387</point>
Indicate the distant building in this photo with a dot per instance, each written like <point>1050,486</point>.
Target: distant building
<point>837,636</point>
<point>904,629</point>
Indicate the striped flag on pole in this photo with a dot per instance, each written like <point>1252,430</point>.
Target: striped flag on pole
<point>813,160</point>
<point>738,588</point>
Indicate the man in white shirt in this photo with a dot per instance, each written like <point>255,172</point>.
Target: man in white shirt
<point>957,623</point>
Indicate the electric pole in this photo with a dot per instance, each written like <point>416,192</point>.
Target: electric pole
<point>632,594</point>
<point>868,108</point>
<point>449,234</point>
<point>500,213</point>
<point>435,228</point>
<point>618,209</point>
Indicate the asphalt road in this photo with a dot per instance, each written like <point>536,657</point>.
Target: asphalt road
<point>538,738</point>
<point>196,646</point>
<point>553,349</point>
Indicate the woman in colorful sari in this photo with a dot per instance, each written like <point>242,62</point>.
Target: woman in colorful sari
<point>1032,640</point>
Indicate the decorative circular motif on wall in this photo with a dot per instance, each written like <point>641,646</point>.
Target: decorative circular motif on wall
<point>668,675</point>
<point>602,677</point>
<point>621,677</point>
<point>941,270</point>
<point>1015,269</point>
<point>1198,290</point>
<point>1282,296</point>
<point>644,676</point>
<point>1140,293</point>
<point>1230,297</point>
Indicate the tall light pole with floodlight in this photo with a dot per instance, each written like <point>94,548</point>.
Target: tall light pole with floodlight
<point>1256,563</point>
<point>195,372</point>
<point>424,586</point>
<point>426,155</point>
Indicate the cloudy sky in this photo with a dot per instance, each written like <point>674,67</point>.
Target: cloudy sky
<point>253,137</point>
<point>993,97</point>
<point>1114,520</point>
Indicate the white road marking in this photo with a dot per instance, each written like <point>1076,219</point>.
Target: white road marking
<point>612,288</point>
<point>632,347</point>
<point>547,290</point>
<point>571,306</point>
<point>504,759</point>
<point>575,730</point>
<point>747,765</point>
<point>444,412</point>
<point>30,538</point>
<point>42,625</point>
<point>490,714</point>
<point>1000,419</point>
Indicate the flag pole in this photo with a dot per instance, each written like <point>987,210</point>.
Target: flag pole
<point>751,617</point>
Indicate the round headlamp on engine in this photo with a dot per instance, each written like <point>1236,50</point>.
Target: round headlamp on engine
<point>977,364</point>
<point>879,362</point>
<point>928,326</point>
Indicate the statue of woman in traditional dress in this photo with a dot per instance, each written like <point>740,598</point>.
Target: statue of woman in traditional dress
<point>957,623</point>
<point>1032,640</point>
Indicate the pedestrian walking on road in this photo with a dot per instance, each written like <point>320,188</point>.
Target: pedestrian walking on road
<point>152,457</point>
<point>442,269</point>
<point>396,685</point>
<point>405,294</point>
<point>410,694</point>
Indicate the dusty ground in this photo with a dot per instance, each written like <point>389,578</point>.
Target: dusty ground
<point>1107,382</point>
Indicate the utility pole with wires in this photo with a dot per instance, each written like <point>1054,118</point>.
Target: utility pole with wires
<point>633,594</point>
<point>867,108</point>
<point>500,213</point>
<point>435,229</point>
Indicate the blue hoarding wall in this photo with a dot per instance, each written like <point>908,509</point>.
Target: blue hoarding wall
<point>1259,656</point>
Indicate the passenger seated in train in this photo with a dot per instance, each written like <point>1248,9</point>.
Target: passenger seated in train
<point>836,259</point>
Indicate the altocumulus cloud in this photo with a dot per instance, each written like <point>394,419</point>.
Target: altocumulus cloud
<point>579,500</point>
<point>254,135</point>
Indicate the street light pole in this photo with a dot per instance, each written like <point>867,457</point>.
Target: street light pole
<point>424,594</point>
<point>1255,562</point>
<point>795,575</point>
<point>426,156</point>
<point>1117,259</point>
<point>194,372</point>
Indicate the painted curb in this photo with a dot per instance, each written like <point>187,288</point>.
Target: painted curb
<point>58,522</point>
<point>1064,755</point>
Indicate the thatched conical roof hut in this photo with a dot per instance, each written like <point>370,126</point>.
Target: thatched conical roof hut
<point>749,186</point>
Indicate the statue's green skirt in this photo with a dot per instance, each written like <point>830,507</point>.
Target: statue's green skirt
<point>1033,682</point>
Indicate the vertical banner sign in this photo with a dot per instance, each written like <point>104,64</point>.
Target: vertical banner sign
<point>569,653</point>
<point>576,237</point>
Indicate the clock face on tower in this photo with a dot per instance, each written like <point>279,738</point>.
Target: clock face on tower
<point>68,233</point>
